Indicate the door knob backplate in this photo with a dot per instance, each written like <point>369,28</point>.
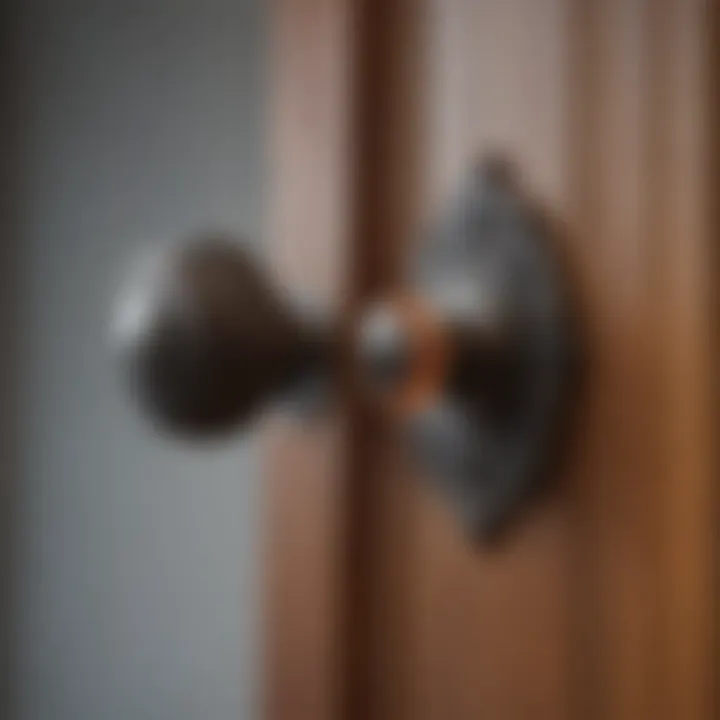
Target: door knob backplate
<point>490,271</point>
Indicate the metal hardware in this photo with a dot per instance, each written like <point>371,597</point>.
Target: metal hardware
<point>476,357</point>
<point>204,340</point>
<point>485,425</point>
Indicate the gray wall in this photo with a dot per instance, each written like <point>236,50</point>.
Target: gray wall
<point>136,559</point>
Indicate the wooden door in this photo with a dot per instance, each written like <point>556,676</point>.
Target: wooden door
<point>600,602</point>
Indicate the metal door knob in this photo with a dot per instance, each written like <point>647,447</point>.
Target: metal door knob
<point>204,339</point>
<point>473,356</point>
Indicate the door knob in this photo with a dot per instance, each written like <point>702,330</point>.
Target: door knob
<point>473,358</point>
<point>204,339</point>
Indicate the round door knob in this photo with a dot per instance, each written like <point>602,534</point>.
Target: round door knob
<point>204,339</point>
<point>475,355</point>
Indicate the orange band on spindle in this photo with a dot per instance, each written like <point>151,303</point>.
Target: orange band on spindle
<point>430,355</point>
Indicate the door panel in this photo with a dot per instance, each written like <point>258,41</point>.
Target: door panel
<point>598,603</point>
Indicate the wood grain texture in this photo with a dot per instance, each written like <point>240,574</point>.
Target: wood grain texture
<point>602,601</point>
<point>615,256</point>
<point>310,209</point>
<point>599,605</point>
<point>644,179</point>
<point>687,192</point>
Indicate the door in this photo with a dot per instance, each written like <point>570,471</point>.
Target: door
<point>599,601</point>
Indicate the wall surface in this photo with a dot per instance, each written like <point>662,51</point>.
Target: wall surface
<point>136,559</point>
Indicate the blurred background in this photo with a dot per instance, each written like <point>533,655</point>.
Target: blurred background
<point>129,565</point>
